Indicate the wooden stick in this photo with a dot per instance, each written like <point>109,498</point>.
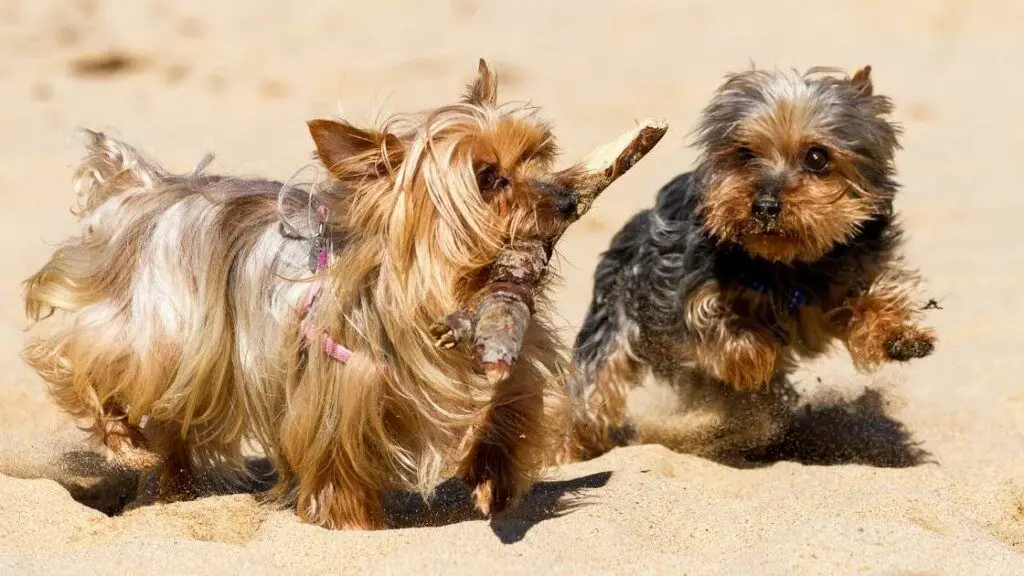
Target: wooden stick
<point>595,173</point>
<point>497,325</point>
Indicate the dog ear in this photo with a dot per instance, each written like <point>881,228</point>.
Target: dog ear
<point>483,91</point>
<point>861,81</point>
<point>353,154</point>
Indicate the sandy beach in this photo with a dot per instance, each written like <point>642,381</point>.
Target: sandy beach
<point>916,469</point>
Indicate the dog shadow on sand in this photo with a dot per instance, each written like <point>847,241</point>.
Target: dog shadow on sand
<point>855,431</point>
<point>94,482</point>
<point>452,503</point>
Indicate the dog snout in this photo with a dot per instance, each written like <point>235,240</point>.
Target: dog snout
<point>766,207</point>
<point>565,199</point>
<point>768,203</point>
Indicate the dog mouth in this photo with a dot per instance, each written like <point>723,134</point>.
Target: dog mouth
<point>772,243</point>
<point>766,229</point>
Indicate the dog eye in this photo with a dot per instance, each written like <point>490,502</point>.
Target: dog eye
<point>745,155</point>
<point>488,179</point>
<point>816,159</point>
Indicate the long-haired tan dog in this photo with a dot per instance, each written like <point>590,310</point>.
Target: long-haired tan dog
<point>188,333</point>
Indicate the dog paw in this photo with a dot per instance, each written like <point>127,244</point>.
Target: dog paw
<point>127,447</point>
<point>444,336</point>
<point>909,344</point>
<point>490,474</point>
<point>455,329</point>
<point>488,499</point>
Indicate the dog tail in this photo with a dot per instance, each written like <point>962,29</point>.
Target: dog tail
<point>110,169</point>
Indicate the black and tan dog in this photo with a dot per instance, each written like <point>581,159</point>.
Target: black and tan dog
<point>782,241</point>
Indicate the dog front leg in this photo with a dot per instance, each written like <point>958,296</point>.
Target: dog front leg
<point>729,348</point>
<point>507,446</point>
<point>744,358</point>
<point>879,325</point>
<point>328,446</point>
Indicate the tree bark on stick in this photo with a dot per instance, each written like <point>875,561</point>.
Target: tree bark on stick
<point>496,326</point>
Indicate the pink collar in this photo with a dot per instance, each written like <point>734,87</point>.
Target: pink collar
<point>318,258</point>
<point>332,348</point>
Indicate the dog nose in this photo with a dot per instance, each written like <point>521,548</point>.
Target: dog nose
<point>565,200</point>
<point>766,207</point>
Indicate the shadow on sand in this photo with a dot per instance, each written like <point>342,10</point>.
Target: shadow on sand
<point>452,503</point>
<point>857,431</point>
<point>96,483</point>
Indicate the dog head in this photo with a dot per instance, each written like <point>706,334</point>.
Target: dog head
<point>444,190</point>
<point>794,164</point>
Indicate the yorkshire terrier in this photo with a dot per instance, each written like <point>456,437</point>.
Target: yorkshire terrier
<point>781,241</point>
<point>207,313</point>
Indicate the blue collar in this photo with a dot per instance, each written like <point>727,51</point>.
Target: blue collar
<point>795,299</point>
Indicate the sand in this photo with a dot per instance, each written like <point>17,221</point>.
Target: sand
<point>914,470</point>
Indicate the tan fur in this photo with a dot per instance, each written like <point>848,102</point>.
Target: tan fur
<point>183,300</point>
<point>735,326</point>
<point>735,347</point>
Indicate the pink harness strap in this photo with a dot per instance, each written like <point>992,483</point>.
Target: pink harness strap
<point>329,346</point>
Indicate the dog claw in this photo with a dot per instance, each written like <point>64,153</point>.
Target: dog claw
<point>444,337</point>
<point>455,329</point>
